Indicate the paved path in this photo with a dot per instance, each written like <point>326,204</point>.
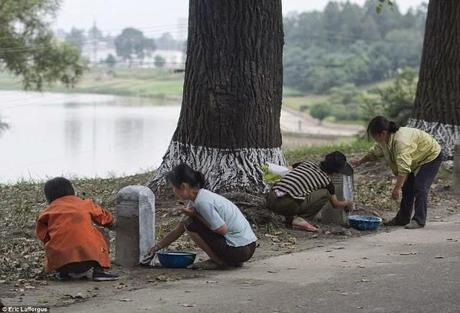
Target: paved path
<point>402,271</point>
<point>296,122</point>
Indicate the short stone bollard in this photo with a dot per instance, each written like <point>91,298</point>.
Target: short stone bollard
<point>456,188</point>
<point>343,190</point>
<point>135,233</point>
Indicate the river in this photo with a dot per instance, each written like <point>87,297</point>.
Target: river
<point>80,135</point>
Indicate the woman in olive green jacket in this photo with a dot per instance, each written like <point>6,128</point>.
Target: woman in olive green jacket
<point>414,157</point>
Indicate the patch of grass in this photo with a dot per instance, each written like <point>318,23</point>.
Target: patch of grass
<point>296,102</point>
<point>291,92</point>
<point>354,145</point>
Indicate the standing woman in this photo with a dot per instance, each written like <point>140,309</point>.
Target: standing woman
<point>414,157</point>
<point>214,223</point>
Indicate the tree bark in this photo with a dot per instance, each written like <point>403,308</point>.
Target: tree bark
<point>437,101</point>
<point>229,121</point>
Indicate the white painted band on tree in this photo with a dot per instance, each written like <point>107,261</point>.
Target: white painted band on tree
<point>224,169</point>
<point>447,135</point>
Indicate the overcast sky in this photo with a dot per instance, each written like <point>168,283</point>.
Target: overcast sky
<point>155,17</point>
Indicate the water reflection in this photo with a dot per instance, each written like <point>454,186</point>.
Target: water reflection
<point>3,126</point>
<point>81,135</point>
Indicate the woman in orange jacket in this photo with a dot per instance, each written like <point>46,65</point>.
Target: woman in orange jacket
<point>74,247</point>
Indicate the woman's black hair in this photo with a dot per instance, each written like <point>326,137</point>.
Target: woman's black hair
<point>58,187</point>
<point>378,124</point>
<point>183,173</point>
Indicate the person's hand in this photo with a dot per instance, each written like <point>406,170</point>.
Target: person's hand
<point>396,193</point>
<point>147,259</point>
<point>355,163</point>
<point>348,205</point>
<point>191,212</point>
<point>153,250</point>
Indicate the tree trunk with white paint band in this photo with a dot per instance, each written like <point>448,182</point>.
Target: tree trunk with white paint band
<point>225,170</point>
<point>437,101</point>
<point>229,123</point>
<point>446,135</point>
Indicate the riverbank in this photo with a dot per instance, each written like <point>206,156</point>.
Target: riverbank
<point>148,83</point>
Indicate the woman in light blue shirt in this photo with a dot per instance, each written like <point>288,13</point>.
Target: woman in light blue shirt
<point>214,223</point>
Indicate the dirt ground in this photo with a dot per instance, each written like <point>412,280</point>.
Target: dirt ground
<point>22,281</point>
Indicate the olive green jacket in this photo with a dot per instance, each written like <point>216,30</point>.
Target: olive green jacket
<point>407,150</point>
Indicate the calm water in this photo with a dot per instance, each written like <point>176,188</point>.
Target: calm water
<point>81,135</point>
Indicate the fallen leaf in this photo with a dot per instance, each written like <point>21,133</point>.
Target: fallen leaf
<point>408,253</point>
<point>186,305</point>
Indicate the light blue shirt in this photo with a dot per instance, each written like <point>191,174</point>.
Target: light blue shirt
<point>217,211</point>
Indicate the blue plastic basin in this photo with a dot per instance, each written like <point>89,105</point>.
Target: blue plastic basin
<point>176,259</point>
<point>364,222</point>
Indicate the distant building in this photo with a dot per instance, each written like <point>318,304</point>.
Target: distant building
<point>98,51</point>
<point>173,59</point>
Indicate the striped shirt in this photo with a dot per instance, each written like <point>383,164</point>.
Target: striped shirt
<point>304,179</point>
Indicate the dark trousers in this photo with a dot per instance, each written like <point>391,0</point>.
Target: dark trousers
<point>416,189</point>
<point>290,207</point>
<point>232,256</point>
<point>79,267</point>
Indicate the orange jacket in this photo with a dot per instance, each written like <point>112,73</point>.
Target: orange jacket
<point>67,231</point>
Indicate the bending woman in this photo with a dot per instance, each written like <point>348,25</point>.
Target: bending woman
<point>414,157</point>
<point>303,192</point>
<point>214,223</point>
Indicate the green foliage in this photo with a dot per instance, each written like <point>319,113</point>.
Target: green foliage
<point>28,48</point>
<point>381,4</point>
<point>348,43</point>
<point>320,111</point>
<point>76,37</point>
<point>110,61</point>
<point>348,103</point>
<point>343,104</point>
<point>159,61</point>
<point>132,42</point>
<point>397,101</point>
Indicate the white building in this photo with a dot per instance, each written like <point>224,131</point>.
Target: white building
<point>98,51</point>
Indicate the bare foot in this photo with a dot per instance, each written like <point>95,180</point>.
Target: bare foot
<point>206,265</point>
<point>302,224</point>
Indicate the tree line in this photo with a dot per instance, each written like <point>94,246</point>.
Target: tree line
<point>349,43</point>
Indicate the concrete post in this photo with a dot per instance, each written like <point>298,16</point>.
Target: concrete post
<point>456,186</point>
<point>343,189</point>
<point>135,232</point>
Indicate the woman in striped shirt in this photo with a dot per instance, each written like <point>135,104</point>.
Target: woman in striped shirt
<point>301,194</point>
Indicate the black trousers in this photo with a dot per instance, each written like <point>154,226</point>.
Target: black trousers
<point>232,256</point>
<point>415,190</point>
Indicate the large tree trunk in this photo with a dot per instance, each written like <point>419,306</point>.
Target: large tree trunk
<point>437,101</point>
<point>229,122</point>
